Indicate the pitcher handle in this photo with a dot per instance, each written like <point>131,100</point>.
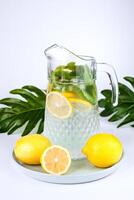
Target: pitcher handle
<point>109,69</point>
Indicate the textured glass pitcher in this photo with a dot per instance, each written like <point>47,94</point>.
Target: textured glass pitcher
<point>71,114</point>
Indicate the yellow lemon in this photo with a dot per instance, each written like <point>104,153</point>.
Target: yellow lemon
<point>56,160</point>
<point>103,150</point>
<point>28,149</point>
<point>69,94</point>
<point>80,104</point>
<point>77,101</point>
<point>58,105</point>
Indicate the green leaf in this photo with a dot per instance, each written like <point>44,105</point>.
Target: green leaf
<point>124,111</point>
<point>130,80</point>
<point>128,119</point>
<point>28,111</point>
<point>107,93</point>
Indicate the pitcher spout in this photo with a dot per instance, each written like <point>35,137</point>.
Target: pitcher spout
<point>50,49</point>
<point>58,52</point>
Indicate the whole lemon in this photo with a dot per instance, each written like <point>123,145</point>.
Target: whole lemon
<point>103,150</point>
<point>28,149</point>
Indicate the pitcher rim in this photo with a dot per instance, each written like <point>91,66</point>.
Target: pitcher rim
<point>82,57</point>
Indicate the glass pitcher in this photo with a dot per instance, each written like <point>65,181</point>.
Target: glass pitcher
<point>71,114</point>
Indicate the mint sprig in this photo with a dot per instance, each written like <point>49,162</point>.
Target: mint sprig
<point>75,78</point>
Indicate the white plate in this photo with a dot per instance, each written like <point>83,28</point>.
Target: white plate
<point>80,172</point>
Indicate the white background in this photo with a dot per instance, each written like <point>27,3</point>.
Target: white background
<point>103,29</point>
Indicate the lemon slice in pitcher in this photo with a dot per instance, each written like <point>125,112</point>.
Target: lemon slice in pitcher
<point>56,160</point>
<point>80,104</point>
<point>58,105</point>
<point>69,94</point>
<point>80,101</point>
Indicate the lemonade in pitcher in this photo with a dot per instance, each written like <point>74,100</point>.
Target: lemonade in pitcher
<point>71,114</point>
<point>71,107</point>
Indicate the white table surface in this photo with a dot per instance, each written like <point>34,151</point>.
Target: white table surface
<point>17,186</point>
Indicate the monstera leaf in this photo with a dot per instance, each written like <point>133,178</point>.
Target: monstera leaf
<point>124,111</point>
<point>28,111</point>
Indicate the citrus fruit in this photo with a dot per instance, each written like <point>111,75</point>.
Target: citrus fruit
<point>28,149</point>
<point>80,104</point>
<point>58,105</point>
<point>103,150</point>
<point>80,101</point>
<point>69,94</point>
<point>56,160</point>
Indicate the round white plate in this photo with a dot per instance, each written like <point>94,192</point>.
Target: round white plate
<point>80,172</point>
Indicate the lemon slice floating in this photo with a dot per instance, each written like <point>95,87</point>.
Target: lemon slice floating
<point>56,160</point>
<point>58,105</point>
<point>69,94</point>
<point>80,104</point>
<point>80,101</point>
